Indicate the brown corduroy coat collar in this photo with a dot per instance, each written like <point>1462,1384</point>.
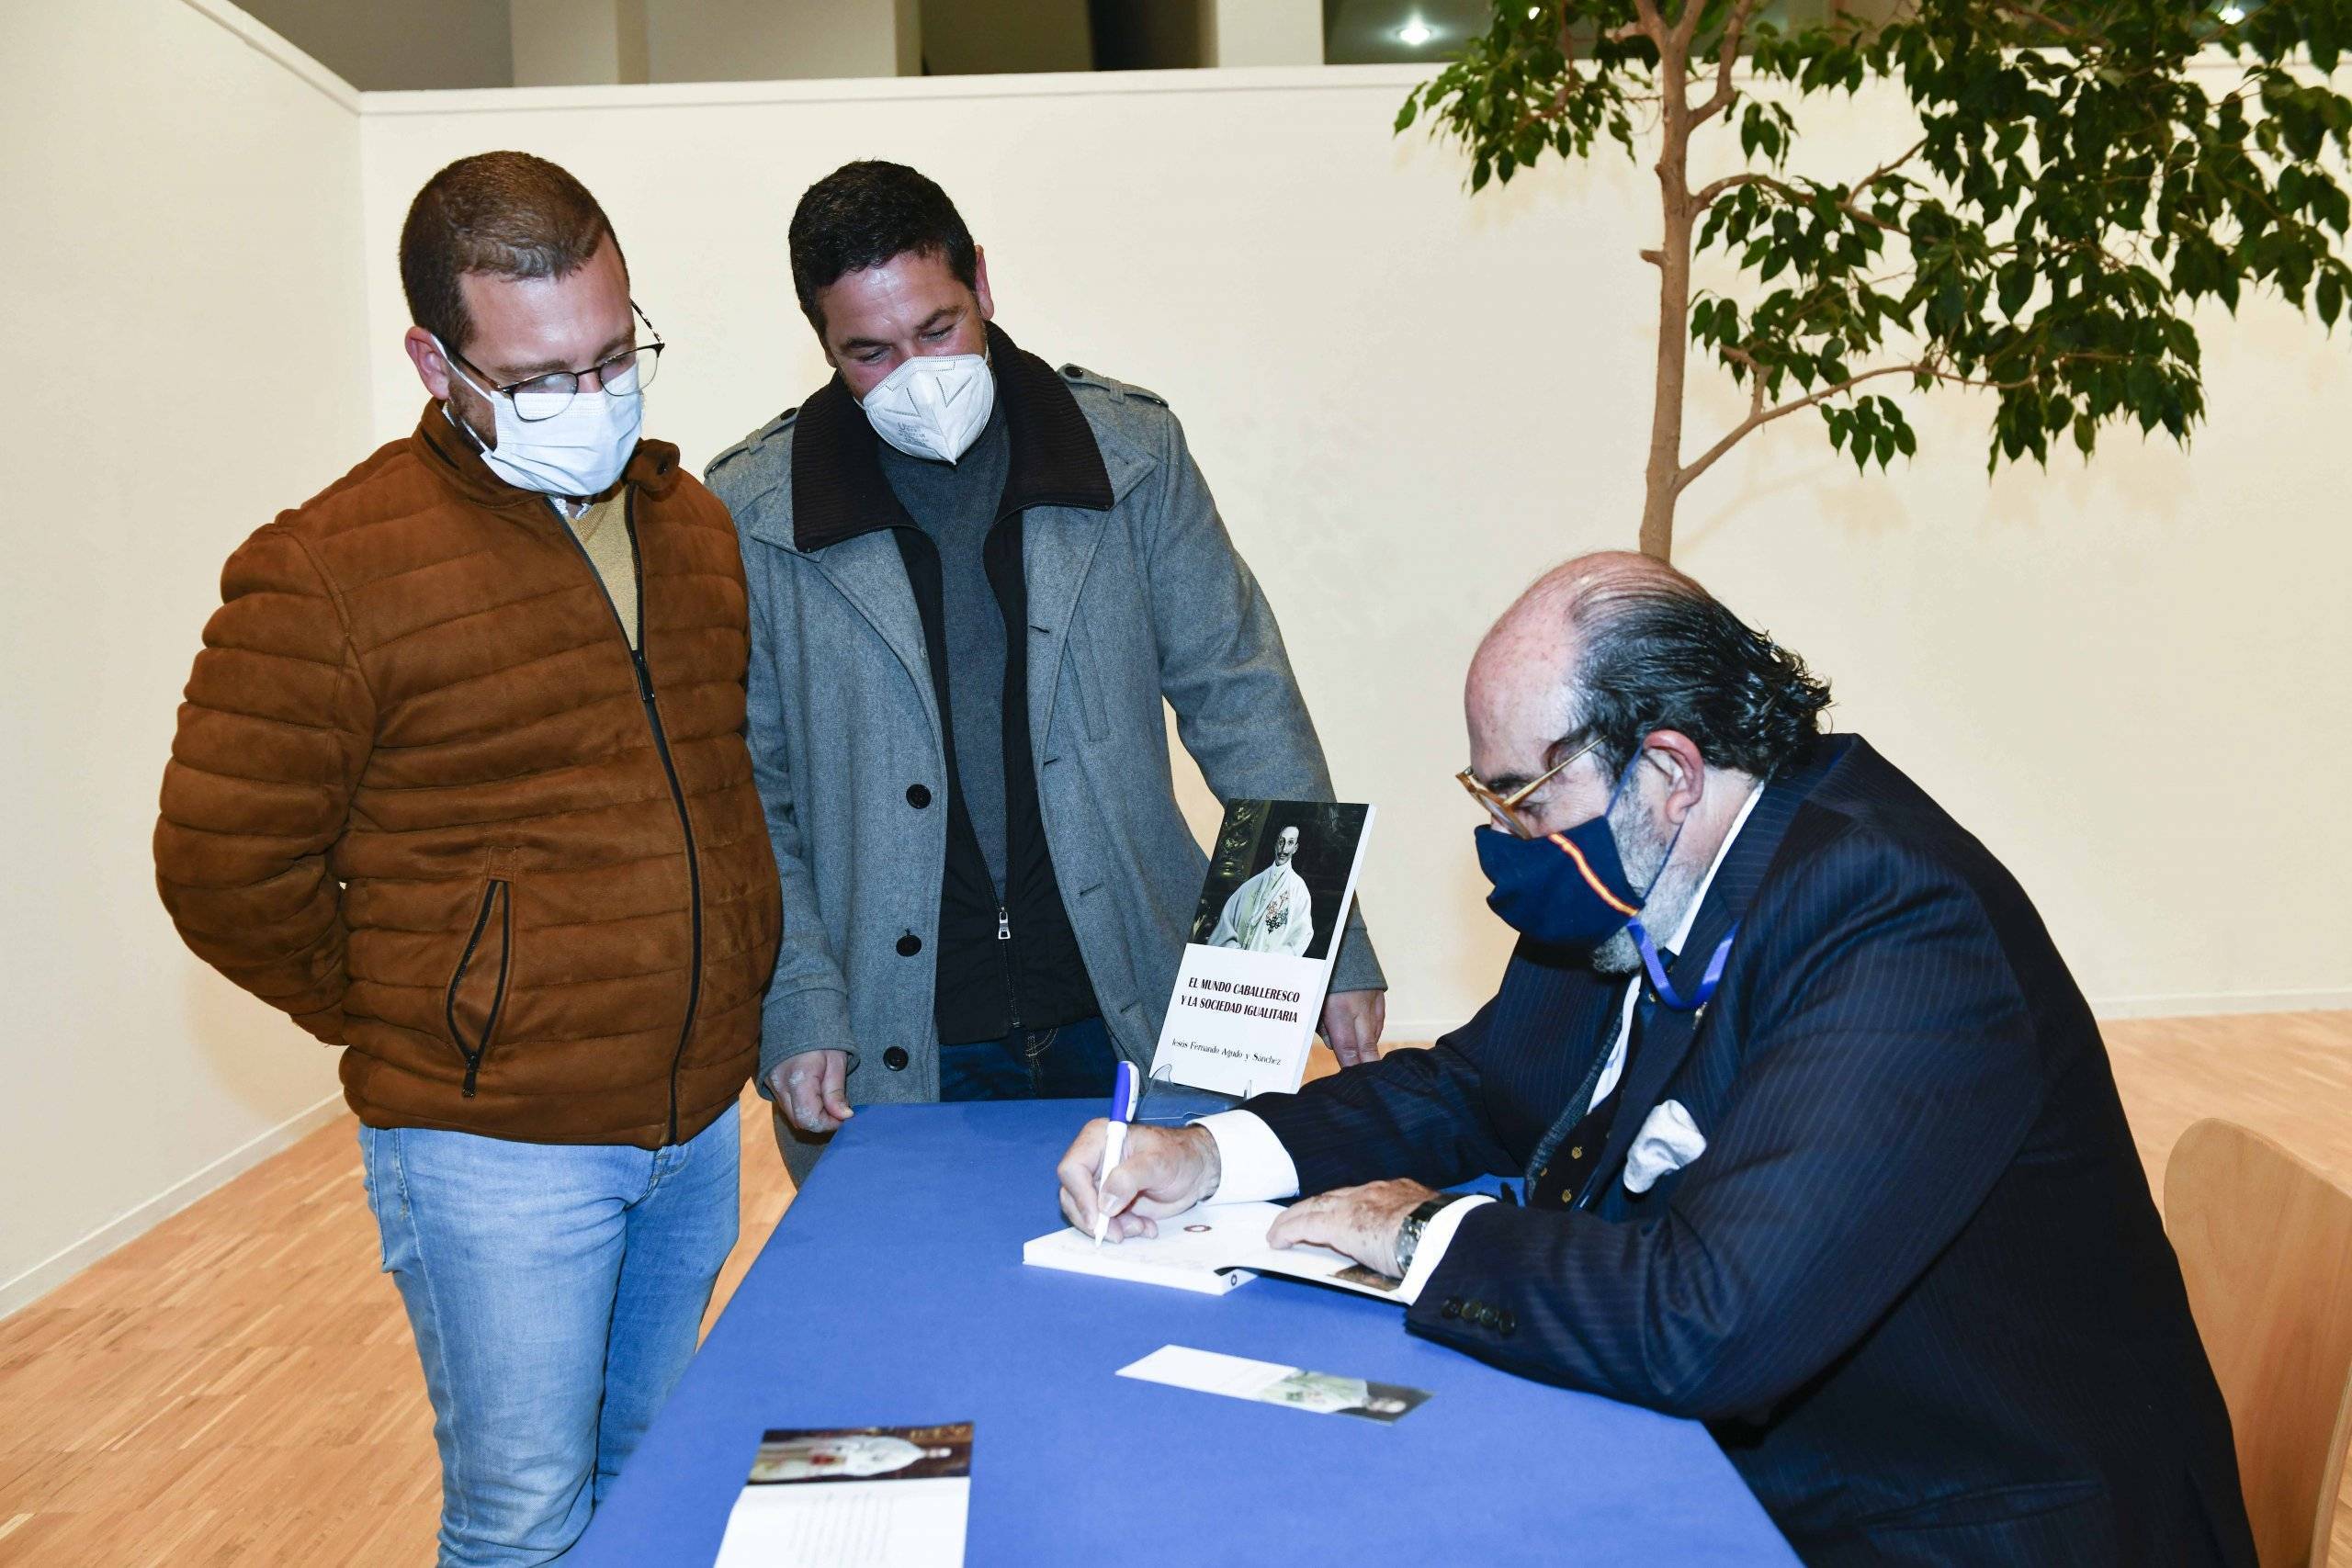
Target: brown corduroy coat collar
<point>452,457</point>
<point>838,488</point>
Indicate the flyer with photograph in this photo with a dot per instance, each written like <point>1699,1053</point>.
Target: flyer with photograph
<point>854,1498</point>
<point>1281,878</point>
<point>1271,1383</point>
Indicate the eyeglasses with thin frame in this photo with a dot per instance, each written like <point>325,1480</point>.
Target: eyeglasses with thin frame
<point>552,393</point>
<point>1504,809</point>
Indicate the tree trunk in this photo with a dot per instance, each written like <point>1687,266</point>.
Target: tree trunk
<point>1673,258</point>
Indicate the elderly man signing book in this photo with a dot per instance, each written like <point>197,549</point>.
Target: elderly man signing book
<point>1820,1143</point>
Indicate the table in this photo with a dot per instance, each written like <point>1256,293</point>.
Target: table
<point>893,1293</point>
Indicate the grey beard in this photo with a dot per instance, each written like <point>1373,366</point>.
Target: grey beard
<point>1618,955</point>
<point>1643,849</point>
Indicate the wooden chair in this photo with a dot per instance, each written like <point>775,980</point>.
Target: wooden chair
<point>2265,1247</point>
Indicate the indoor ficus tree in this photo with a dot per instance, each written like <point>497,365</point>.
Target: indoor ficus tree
<point>2074,188</point>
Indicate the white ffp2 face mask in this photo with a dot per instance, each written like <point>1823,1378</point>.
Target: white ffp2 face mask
<point>934,405</point>
<point>580,450</point>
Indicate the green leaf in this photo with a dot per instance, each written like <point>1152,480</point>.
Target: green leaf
<point>2017,287</point>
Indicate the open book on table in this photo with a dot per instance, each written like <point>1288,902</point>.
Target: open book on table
<point>1212,1249</point>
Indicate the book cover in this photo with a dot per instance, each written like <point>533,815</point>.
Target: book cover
<point>1272,913</point>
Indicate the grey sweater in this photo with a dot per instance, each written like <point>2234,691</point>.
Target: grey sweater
<point>955,503</point>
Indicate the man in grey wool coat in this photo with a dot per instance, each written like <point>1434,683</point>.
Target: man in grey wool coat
<point>974,578</point>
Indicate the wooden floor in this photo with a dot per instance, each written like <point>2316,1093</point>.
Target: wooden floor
<point>238,1386</point>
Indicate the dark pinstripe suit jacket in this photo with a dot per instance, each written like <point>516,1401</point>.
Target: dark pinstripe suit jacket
<point>1915,1283</point>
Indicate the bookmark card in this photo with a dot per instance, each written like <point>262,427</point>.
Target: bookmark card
<point>1281,878</point>
<point>1271,1383</point>
<point>854,1498</point>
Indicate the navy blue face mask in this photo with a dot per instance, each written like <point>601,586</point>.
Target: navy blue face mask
<point>1569,890</point>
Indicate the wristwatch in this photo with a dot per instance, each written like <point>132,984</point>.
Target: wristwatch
<point>1408,1235</point>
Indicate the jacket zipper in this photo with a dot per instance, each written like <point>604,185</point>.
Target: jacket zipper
<point>669,769</point>
<point>496,896</point>
<point>1012,629</point>
<point>1011,987</point>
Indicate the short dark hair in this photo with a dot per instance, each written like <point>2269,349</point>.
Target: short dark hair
<point>505,214</point>
<point>862,214</point>
<point>1663,653</point>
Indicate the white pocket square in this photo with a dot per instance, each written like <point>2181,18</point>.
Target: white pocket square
<point>1668,1141</point>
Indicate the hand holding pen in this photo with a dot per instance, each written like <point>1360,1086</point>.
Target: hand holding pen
<point>1126,1091</point>
<point>1119,1181</point>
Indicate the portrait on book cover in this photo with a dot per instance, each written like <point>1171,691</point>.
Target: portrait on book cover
<point>863,1453</point>
<point>1278,871</point>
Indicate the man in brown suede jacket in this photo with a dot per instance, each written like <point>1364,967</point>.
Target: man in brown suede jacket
<point>461,784</point>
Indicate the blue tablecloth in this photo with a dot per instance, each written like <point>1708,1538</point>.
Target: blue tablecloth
<point>894,1293</point>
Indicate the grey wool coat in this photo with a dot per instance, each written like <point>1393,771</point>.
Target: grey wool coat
<point>1135,593</point>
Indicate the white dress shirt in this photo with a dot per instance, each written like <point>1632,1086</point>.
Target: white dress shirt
<point>1256,1169</point>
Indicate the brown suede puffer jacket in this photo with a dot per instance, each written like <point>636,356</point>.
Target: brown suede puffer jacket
<point>423,798</point>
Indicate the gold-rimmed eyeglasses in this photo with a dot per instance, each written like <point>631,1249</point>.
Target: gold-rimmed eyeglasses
<point>1504,809</point>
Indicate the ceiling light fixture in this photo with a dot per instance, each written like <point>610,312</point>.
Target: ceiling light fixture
<point>1415,32</point>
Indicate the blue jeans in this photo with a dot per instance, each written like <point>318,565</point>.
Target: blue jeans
<point>1074,1062</point>
<point>556,1291</point>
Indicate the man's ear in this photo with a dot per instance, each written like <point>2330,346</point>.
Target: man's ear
<point>1676,756</point>
<point>980,284</point>
<point>432,368</point>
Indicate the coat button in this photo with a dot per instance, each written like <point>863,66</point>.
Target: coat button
<point>918,795</point>
<point>1505,1324</point>
<point>1453,1307</point>
<point>895,1058</point>
<point>909,945</point>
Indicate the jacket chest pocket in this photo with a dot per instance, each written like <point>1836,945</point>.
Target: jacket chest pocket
<point>1089,677</point>
<point>477,992</point>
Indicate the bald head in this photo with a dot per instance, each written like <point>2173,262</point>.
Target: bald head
<point>1610,647</point>
<point>1530,655</point>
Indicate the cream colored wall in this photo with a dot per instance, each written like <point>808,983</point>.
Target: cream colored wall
<point>2127,679</point>
<point>1265,32</point>
<point>566,42</point>
<point>400,43</point>
<point>183,278</point>
<point>735,40</point>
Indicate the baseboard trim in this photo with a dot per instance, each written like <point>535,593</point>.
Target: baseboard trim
<point>2205,1003</point>
<point>62,1265</point>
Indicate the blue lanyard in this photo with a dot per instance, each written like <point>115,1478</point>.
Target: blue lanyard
<point>1705,990</point>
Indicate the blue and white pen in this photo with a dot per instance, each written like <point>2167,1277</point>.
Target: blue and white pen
<point>1127,1090</point>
